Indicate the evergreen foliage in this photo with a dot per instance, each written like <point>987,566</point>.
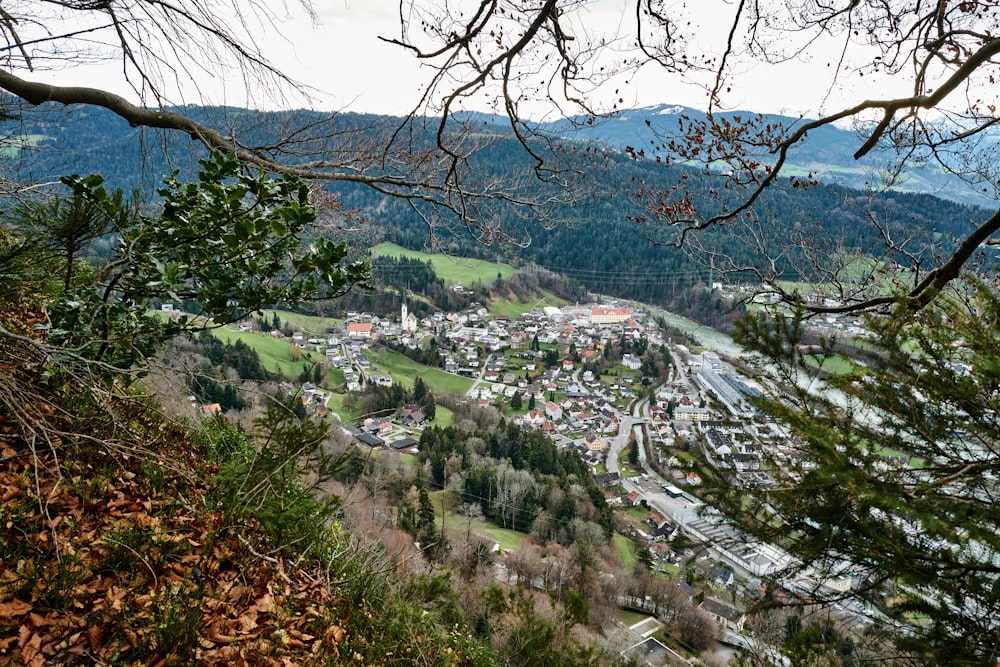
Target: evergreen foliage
<point>896,486</point>
<point>226,245</point>
<point>239,356</point>
<point>678,279</point>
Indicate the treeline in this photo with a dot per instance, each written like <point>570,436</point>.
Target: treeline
<point>520,480</point>
<point>239,356</point>
<point>392,278</point>
<point>385,399</point>
<point>225,366</point>
<point>528,283</point>
<point>209,390</point>
<point>601,241</point>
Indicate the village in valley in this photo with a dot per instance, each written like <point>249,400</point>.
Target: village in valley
<point>594,378</point>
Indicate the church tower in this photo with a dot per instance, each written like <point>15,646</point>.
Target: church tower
<point>408,321</point>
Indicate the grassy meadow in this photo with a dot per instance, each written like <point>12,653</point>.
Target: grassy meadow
<point>274,353</point>
<point>457,526</point>
<point>452,269</point>
<point>305,323</point>
<point>405,371</point>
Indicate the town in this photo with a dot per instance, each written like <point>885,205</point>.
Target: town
<point>594,379</point>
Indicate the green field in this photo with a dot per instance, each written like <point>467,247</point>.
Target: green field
<point>625,549</point>
<point>638,513</point>
<point>451,269</point>
<point>274,353</point>
<point>305,323</point>
<point>512,308</point>
<point>410,459</point>
<point>859,271</point>
<point>458,527</point>
<point>624,467</point>
<point>444,417</point>
<point>336,403</point>
<point>630,618</point>
<point>835,364</point>
<point>405,370</point>
<point>12,147</point>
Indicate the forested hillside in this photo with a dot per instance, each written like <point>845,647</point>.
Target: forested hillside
<point>607,238</point>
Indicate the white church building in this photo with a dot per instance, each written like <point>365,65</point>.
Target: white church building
<point>408,321</point>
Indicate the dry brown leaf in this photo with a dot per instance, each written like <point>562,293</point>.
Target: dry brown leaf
<point>115,597</point>
<point>301,635</point>
<point>248,621</point>
<point>9,610</point>
<point>337,633</point>
<point>235,592</point>
<point>31,648</point>
<point>95,635</point>
<point>264,603</point>
<point>38,620</point>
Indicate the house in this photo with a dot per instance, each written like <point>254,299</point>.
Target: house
<point>413,416</point>
<point>656,519</point>
<point>593,442</point>
<point>370,440</point>
<point>649,651</point>
<point>404,445</point>
<point>552,410</point>
<point>745,462</point>
<point>378,426</point>
<point>359,329</point>
<point>609,315</point>
<point>382,380</point>
<point>691,413</point>
<point>631,362</point>
<point>726,616</point>
<point>212,409</point>
<point>535,418</point>
<point>661,551</point>
<point>723,576</point>
<point>607,479</point>
<point>664,532</point>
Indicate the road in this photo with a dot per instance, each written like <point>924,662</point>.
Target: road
<point>627,425</point>
<point>474,389</point>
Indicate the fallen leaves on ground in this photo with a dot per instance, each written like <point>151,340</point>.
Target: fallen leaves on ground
<point>96,566</point>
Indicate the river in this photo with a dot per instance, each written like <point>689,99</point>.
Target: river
<point>705,335</point>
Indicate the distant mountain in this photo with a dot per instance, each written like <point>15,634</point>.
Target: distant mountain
<point>597,241</point>
<point>827,153</point>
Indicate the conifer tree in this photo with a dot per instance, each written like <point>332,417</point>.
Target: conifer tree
<point>896,485</point>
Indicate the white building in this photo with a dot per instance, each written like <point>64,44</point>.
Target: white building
<point>408,321</point>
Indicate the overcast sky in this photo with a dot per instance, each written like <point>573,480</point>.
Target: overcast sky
<point>344,58</point>
<point>349,68</point>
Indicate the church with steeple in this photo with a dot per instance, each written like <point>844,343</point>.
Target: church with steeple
<point>407,320</point>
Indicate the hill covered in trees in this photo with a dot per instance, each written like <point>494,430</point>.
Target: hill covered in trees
<point>606,238</point>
